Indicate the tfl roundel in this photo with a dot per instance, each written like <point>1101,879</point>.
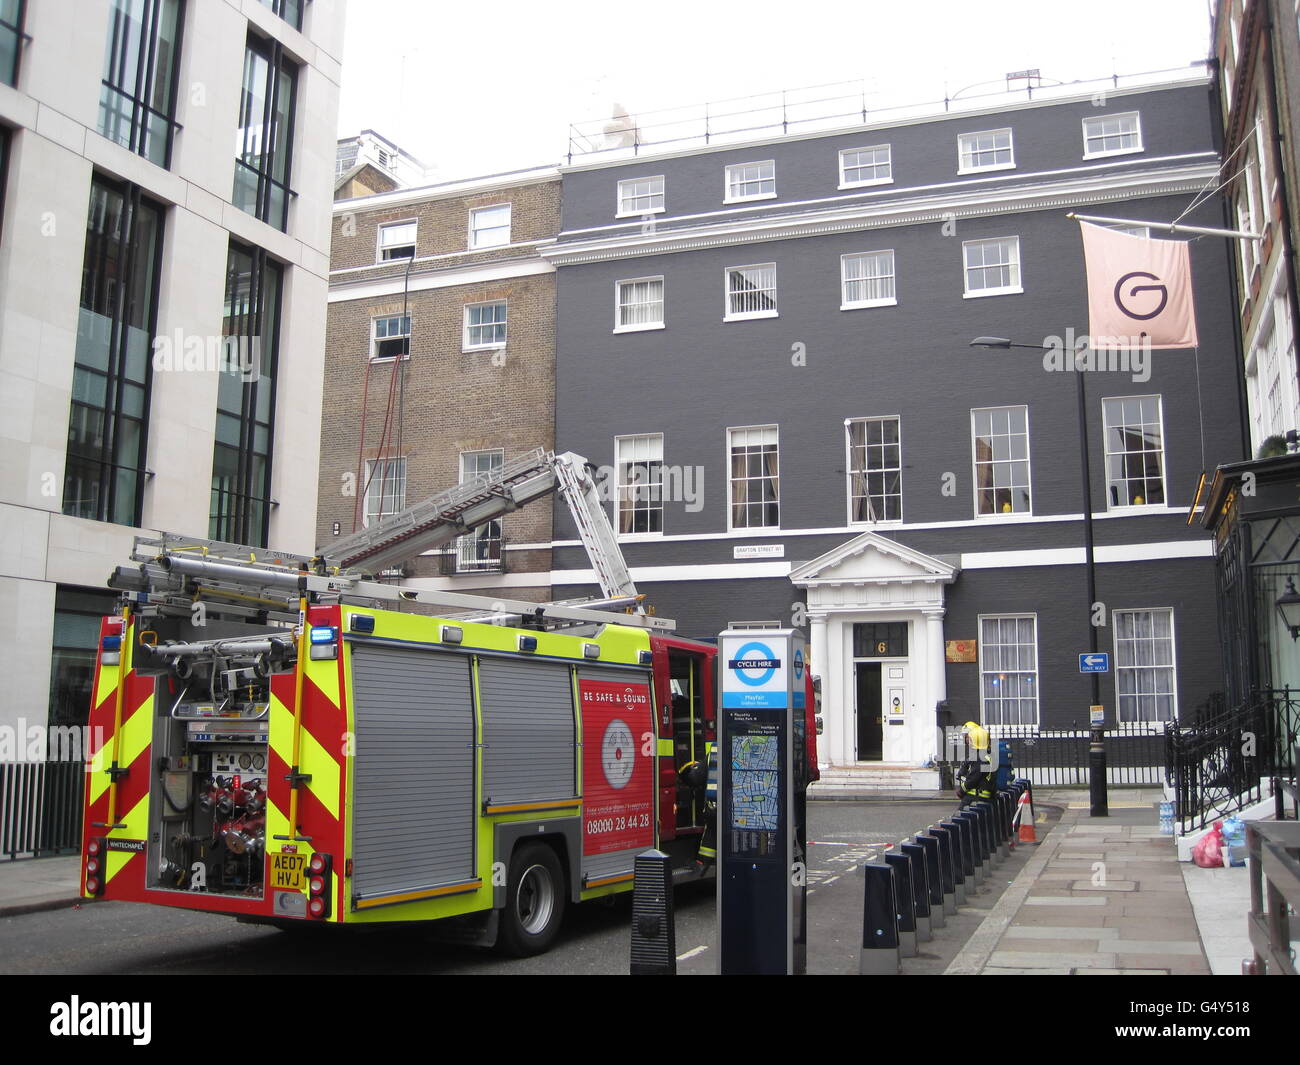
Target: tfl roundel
<point>763,667</point>
<point>798,664</point>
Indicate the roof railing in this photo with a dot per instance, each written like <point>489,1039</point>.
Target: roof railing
<point>816,108</point>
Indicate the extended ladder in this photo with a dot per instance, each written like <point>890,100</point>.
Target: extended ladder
<point>489,497</point>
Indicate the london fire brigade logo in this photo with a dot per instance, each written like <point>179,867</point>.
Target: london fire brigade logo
<point>617,752</point>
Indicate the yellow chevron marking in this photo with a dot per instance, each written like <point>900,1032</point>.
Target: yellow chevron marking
<point>137,733</point>
<point>325,675</point>
<point>137,827</point>
<point>316,760</point>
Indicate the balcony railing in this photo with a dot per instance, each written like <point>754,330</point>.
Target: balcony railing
<point>482,551</point>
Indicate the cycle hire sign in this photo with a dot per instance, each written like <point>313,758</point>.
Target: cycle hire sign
<point>755,671</point>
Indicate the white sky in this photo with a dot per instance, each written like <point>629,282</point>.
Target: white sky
<point>472,91</point>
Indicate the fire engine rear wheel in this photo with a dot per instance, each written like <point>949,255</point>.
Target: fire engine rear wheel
<point>534,901</point>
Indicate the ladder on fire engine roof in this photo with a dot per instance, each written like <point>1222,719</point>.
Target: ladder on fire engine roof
<point>489,497</point>
<point>239,582</point>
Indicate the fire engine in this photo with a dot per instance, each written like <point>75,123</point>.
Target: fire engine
<point>292,742</point>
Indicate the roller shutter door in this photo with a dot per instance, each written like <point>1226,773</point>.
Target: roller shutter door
<point>414,813</point>
<point>529,750</point>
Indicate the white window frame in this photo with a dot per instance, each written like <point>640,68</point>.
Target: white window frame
<point>963,168</point>
<point>622,212</point>
<point>464,546</point>
<point>379,240</point>
<point>1028,460</point>
<point>848,471</point>
<point>884,301</point>
<point>619,327</point>
<point>1035,672</point>
<point>1005,290</point>
<point>1137,131</point>
<point>1172,666</point>
<point>727,182</point>
<point>1106,453</point>
<point>1141,232</point>
<point>374,340</point>
<point>368,485</point>
<point>465,344</point>
<point>731,527</point>
<point>471,238</point>
<point>619,485</point>
<point>845,183</point>
<point>744,316</point>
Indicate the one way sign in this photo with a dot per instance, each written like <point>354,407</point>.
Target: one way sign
<point>1096,662</point>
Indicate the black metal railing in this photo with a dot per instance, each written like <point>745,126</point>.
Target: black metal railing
<point>1220,762</point>
<point>1058,757</point>
<point>40,808</point>
<point>476,552</point>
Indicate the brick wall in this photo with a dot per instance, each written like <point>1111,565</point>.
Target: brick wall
<point>454,400</point>
<point>443,228</point>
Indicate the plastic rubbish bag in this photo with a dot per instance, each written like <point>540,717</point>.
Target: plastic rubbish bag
<point>1208,853</point>
<point>1234,841</point>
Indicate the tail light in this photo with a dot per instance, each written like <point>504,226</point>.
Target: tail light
<point>95,859</point>
<point>320,883</point>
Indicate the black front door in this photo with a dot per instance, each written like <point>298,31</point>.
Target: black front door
<point>870,725</point>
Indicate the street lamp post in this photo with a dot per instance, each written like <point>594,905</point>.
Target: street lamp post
<point>1098,805</point>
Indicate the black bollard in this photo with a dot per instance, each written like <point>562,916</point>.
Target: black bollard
<point>906,914</point>
<point>950,874</point>
<point>970,847</point>
<point>963,861</point>
<point>880,954</point>
<point>654,939</point>
<point>988,830</point>
<point>920,890</point>
<point>930,846</point>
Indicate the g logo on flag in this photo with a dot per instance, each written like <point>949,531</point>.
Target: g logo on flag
<point>1136,289</point>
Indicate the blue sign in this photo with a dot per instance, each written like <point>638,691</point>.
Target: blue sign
<point>1095,662</point>
<point>798,665</point>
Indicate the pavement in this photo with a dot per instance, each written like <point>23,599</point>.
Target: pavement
<point>1096,896</point>
<point>1108,897</point>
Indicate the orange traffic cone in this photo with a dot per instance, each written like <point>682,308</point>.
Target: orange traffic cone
<point>1025,817</point>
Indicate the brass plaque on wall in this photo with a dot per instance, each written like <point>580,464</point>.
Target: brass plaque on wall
<point>960,651</point>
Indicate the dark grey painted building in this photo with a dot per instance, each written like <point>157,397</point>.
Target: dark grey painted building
<point>768,344</point>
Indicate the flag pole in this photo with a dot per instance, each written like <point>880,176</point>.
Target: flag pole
<point>1173,227</point>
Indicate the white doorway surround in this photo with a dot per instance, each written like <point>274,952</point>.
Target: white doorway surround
<point>871,579</point>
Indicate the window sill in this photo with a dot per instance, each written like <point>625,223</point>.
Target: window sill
<point>875,524</point>
<point>639,214</point>
<point>749,199</point>
<point>754,530</point>
<point>981,293</point>
<point>482,347</point>
<point>1145,508</point>
<point>1118,151</point>
<point>750,317</point>
<point>638,328</point>
<point>868,303</point>
<point>985,169</point>
<point>488,247</point>
<point>844,185</point>
<point>1004,517</point>
<point>637,538</point>
<point>389,358</point>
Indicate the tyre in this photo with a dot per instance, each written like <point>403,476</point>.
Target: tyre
<point>535,896</point>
